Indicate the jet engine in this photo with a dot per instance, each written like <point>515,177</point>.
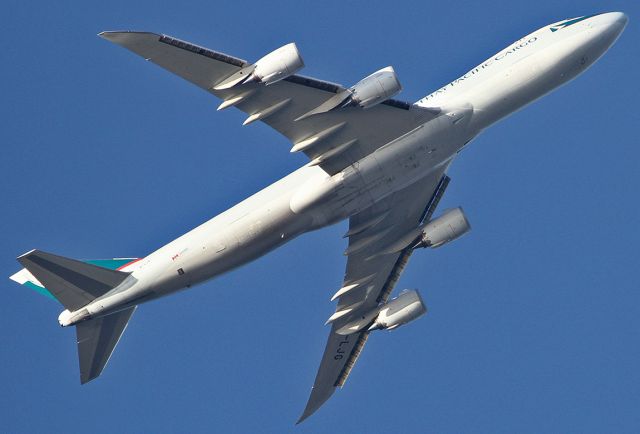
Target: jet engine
<point>449,226</point>
<point>403,309</point>
<point>374,89</point>
<point>278,64</point>
<point>371,90</point>
<point>273,67</point>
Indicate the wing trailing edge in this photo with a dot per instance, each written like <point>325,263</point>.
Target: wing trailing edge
<point>374,277</point>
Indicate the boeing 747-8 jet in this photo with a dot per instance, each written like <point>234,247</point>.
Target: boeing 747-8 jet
<point>379,162</point>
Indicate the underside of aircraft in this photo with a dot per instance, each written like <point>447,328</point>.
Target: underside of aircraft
<point>379,162</point>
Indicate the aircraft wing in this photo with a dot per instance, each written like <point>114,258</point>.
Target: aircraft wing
<point>371,275</point>
<point>333,140</point>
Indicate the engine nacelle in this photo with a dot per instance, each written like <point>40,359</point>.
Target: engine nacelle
<point>403,309</point>
<point>374,89</point>
<point>273,67</point>
<point>449,226</point>
<point>278,64</point>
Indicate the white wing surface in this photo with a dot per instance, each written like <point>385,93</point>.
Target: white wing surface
<point>371,275</point>
<point>333,140</point>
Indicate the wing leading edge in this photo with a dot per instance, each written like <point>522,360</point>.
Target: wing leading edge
<point>332,140</point>
<point>371,276</point>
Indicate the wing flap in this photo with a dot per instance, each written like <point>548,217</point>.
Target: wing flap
<point>199,65</point>
<point>364,130</point>
<point>375,275</point>
<point>337,361</point>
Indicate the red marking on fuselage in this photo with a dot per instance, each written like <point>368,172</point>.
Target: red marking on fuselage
<point>129,263</point>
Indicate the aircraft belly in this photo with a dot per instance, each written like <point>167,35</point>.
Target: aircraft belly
<point>391,168</point>
<point>305,200</point>
<point>221,245</point>
<point>250,237</point>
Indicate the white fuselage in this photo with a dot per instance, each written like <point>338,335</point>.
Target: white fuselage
<point>309,198</point>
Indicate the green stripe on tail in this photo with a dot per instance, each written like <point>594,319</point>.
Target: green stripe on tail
<point>111,264</point>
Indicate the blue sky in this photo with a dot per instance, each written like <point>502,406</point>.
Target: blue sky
<point>533,320</point>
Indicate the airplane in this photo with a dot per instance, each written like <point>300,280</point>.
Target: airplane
<point>379,162</point>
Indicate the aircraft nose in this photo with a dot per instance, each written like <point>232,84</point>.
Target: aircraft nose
<point>617,21</point>
<point>612,23</point>
<point>604,30</point>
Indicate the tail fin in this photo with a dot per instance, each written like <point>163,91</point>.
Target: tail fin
<point>73,283</point>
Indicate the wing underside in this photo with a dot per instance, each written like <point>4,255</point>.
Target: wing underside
<point>332,140</point>
<point>371,275</point>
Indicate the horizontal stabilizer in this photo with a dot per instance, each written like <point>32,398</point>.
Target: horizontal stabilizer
<point>73,283</point>
<point>24,277</point>
<point>97,338</point>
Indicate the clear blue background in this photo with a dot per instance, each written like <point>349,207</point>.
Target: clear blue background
<point>533,322</point>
